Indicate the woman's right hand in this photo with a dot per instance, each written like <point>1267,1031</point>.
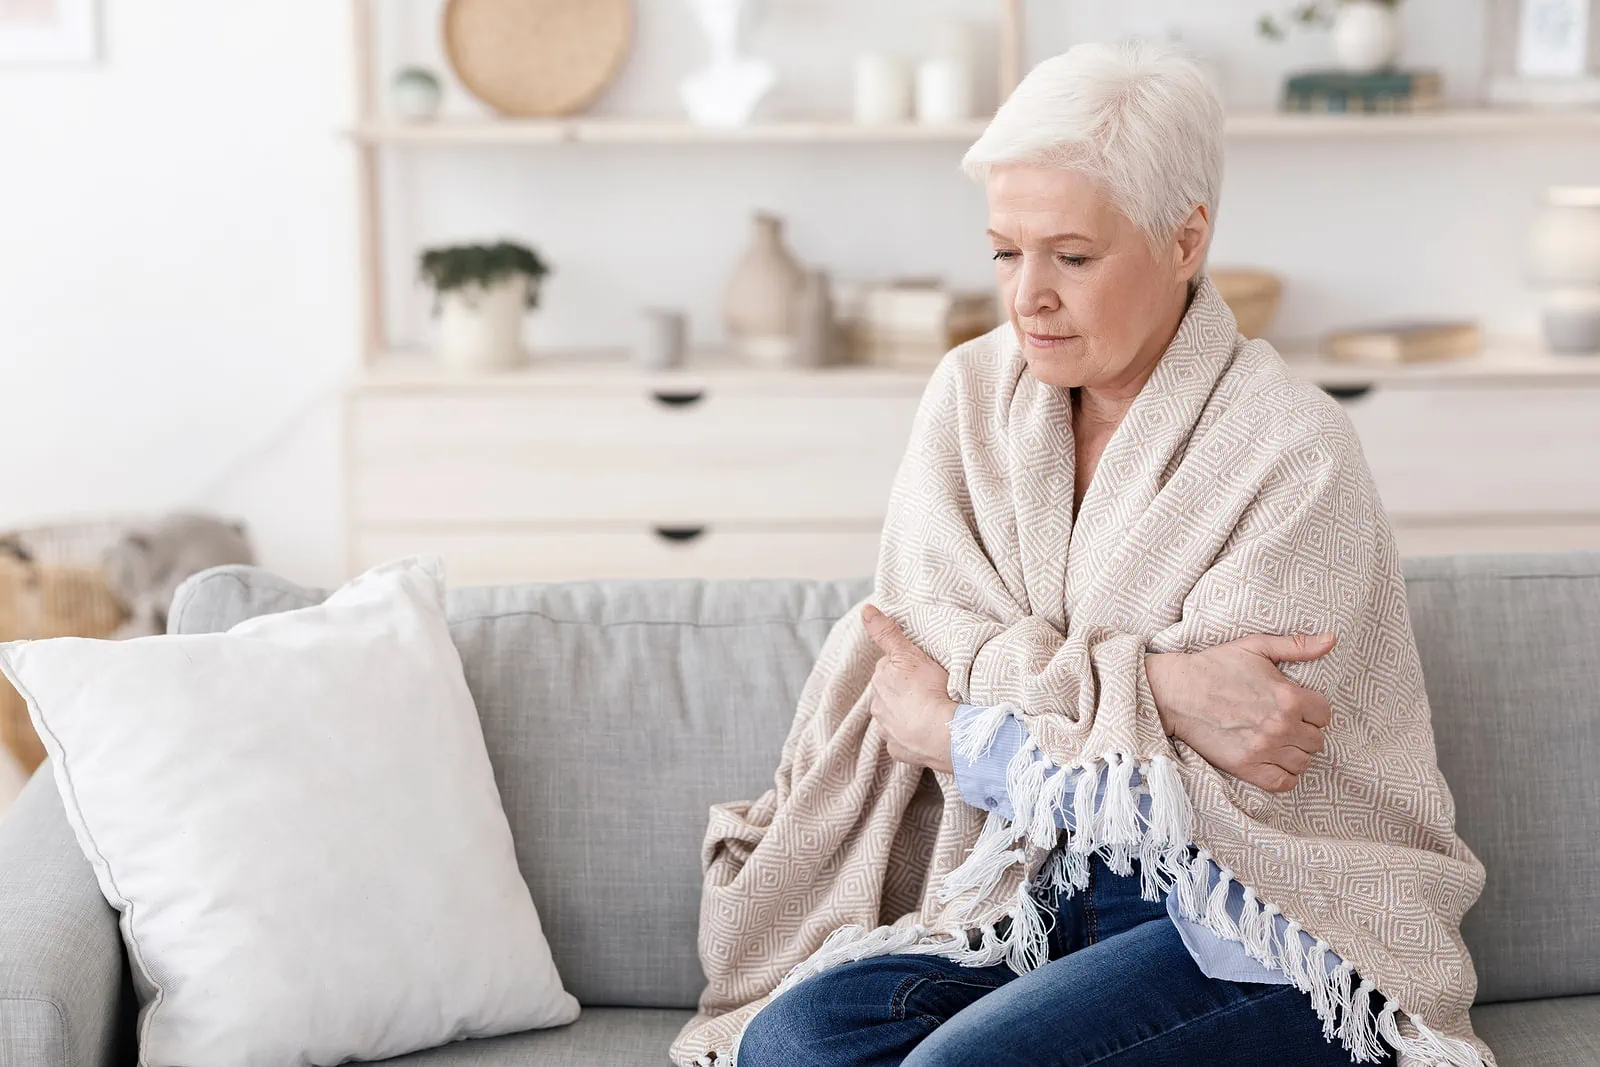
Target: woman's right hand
<point>1234,707</point>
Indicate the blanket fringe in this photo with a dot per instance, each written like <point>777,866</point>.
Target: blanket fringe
<point>1107,821</point>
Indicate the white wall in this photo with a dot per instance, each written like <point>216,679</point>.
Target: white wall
<point>176,238</point>
<point>176,269</point>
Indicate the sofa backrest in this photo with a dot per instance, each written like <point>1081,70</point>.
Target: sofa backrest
<point>1511,656</point>
<point>616,713</point>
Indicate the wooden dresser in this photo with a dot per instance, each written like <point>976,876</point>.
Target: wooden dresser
<point>593,469</point>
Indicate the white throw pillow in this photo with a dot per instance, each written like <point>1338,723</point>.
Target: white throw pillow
<point>298,821</point>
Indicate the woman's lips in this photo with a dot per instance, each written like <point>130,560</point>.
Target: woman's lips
<point>1044,340</point>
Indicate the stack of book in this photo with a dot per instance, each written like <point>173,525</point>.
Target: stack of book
<point>1405,342</point>
<point>912,326</point>
<point>1386,92</point>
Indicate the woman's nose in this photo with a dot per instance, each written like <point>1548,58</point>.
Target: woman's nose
<point>1035,294</point>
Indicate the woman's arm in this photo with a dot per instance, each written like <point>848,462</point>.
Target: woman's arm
<point>1230,704</point>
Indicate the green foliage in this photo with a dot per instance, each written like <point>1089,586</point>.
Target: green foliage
<point>459,266</point>
<point>1314,16</point>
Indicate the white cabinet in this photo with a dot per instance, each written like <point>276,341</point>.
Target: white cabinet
<point>727,473</point>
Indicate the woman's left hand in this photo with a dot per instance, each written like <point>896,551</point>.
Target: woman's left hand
<point>910,696</point>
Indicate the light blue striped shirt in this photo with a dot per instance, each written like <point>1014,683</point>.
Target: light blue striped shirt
<point>983,785</point>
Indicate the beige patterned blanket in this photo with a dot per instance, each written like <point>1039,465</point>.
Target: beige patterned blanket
<point>1233,499</point>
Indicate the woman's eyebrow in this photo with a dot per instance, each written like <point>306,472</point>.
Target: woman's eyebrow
<point>1053,238</point>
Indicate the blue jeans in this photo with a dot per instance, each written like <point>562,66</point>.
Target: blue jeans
<point>1120,990</point>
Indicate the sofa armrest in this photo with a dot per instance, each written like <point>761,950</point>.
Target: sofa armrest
<point>61,960</point>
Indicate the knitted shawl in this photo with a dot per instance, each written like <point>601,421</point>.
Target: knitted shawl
<point>1232,499</point>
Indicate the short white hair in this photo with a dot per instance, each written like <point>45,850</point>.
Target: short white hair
<point>1145,119</point>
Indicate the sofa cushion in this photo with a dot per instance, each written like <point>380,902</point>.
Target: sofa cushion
<point>1562,1032</point>
<point>615,1037</point>
<point>1511,655</point>
<point>615,714</point>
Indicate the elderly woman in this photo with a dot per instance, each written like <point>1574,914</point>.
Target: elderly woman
<point>1143,621</point>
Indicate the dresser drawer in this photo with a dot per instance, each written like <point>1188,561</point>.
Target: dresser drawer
<point>525,555</point>
<point>625,457</point>
<point>1483,451</point>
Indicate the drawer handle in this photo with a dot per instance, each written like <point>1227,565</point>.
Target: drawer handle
<point>678,400</point>
<point>680,534</point>
<point>1342,393</point>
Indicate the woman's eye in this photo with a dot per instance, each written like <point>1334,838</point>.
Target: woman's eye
<point>1003,256</point>
<point>1074,261</point>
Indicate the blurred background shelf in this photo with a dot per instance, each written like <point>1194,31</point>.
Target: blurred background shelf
<point>636,131</point>
<point>1501,363</point>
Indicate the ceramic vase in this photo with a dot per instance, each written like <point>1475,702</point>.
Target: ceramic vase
<point>726,92</point>
<point>762,296</point>
<point>480,327</point>
<point>1366,36</point>
<point>814,327</point>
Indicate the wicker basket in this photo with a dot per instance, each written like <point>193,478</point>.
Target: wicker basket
<point>1252,296</point>
<point>51,585</point>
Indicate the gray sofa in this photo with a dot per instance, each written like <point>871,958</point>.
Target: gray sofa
<point>615,713</point>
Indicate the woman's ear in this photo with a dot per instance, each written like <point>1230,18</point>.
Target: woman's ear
<point>1193,237</point>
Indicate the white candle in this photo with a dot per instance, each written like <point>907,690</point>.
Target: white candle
<point>883,89</point>
<point>944,90</point>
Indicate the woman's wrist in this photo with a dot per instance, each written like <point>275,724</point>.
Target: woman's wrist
<point>1165,670</point>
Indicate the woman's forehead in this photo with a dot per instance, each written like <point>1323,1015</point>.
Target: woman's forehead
<point>1041,203</point>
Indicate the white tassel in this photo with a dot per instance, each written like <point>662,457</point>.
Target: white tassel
<point>1085,837</point>
<point>986,864</point>
<point>1450,1050</point>
<point>1217,916</point>
<point>1269,934</point>
<point>1317,976</point>
<point>1188,897</point>
<point>1357,1029</point>
<point>1120,810</point>
<point>1387,1028</point>
<point>1292,960</point>
<point>1338,996</point>
<point>1067,872</point>
<point>972,738</point>
<point>1171,815</point>
<point>850,943</point>
<point>1024,782</point>
<point>1046,830</point>
<point>1030,941</point>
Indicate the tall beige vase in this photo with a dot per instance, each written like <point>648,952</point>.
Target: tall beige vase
<point>762,296</point>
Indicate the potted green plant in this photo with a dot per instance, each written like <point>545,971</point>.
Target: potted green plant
<point>481,293</point>
<point>1366,33</point>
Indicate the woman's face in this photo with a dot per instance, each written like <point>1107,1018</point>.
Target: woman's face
<point>1092,304</point>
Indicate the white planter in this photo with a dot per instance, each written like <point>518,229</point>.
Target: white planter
<point>1366,36</point>
<point>480,329</point>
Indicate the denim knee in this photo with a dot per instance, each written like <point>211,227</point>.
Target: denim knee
<point>788,1031</point>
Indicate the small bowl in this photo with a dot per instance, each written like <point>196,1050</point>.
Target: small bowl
<point>1252,295</point>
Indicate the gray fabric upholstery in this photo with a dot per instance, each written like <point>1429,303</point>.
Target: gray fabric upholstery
<point>1542,1033</point>
<point>614,1037</point>
<point>616,714</point>
<point>1511,655</point>
<point>61,966</point>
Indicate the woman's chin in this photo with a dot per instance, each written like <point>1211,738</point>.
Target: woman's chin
<point>1055,367</point>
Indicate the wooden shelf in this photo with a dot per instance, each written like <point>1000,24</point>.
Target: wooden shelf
<point>1501,364</point>
<point>643,132</point>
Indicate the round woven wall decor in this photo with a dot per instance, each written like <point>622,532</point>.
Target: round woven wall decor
<point>537,57</point>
